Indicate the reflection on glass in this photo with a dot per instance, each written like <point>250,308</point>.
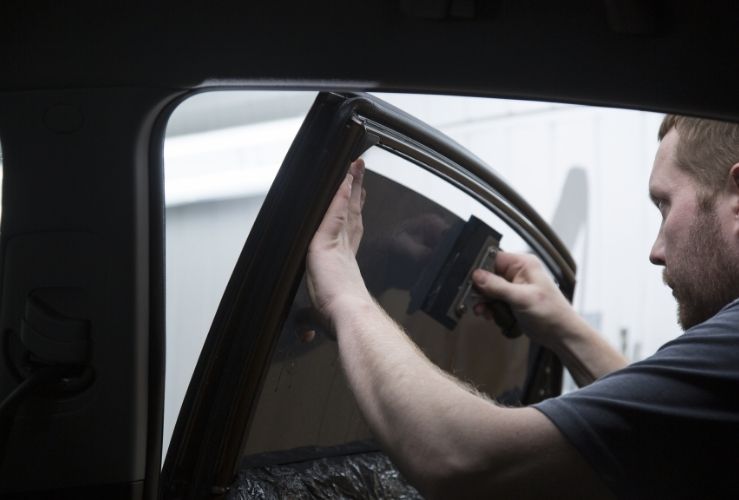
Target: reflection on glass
<point>305,400</point>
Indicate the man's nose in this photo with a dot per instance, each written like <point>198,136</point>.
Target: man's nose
<point>657,255</point>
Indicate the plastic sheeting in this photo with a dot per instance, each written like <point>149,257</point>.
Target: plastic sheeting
<point>366,475</point>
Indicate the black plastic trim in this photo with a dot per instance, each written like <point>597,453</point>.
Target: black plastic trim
<point>113,491</point>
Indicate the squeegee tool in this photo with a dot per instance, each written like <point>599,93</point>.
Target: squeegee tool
<point>445,291</point>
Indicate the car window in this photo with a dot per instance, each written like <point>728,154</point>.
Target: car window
<point>304,400</point>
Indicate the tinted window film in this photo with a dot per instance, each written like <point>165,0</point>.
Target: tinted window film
<point>305,400</point>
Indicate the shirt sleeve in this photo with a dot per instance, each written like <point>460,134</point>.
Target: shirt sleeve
<point>665,427</point>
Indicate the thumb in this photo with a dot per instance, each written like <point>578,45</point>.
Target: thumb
<point>495,287</point>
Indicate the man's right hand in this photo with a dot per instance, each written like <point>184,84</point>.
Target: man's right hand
<point>545,315</point>
<point>521,281</point>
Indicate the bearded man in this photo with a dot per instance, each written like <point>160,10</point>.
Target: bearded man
<point>664,427</point>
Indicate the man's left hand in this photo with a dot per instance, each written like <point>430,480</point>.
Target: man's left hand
<point>332,272</point>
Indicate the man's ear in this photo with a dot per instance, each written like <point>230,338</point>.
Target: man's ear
<point>734,173</point>
<point>734,178</point>
<point>733,188</point>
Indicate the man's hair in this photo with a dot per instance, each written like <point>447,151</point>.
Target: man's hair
<point>706,150</point>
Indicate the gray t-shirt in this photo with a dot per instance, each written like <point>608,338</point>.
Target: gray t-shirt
<point>668,426</point>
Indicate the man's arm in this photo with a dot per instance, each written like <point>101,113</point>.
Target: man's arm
<point>547,317</point>
<point>446,440</point>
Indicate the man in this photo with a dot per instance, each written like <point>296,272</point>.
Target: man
<point>667,426</point>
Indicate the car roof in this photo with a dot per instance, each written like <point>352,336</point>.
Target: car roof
<point>649,54</point>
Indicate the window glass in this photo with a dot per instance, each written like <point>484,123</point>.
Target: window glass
<point>305,401</point>
<point>221,153</point>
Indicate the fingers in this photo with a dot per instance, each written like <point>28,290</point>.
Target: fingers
<point>508,264</point>
<point>497,287</point>
<point>427,228</point>
<point>483,309</point>
<point>358,195</point>
<point>356,167</point>
<point>343,218</point>
<point>407,245</point>
<point>309,323</point>
<point>435,229</point>
<point>519,268</point>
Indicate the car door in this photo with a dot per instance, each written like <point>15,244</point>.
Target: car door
<point>268,412</point>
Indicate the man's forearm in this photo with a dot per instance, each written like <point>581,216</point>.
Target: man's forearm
<point>547,317</point>
<point>424,418</point>
<point>585,353</point>
<point>383,366</point>
<point>448,441</point>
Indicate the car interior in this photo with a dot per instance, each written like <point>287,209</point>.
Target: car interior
<point>88,97</point>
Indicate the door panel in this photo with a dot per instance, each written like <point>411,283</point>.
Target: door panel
<point>81,240</point>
